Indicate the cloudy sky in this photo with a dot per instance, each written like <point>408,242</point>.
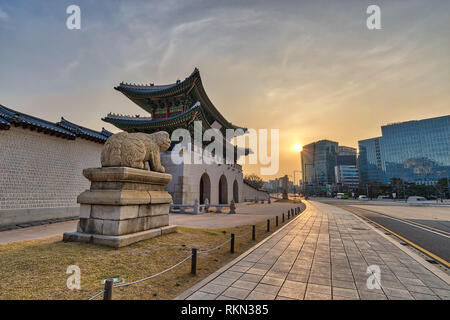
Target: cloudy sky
<point>310,68</point>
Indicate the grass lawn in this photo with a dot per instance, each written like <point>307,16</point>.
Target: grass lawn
<point>37,269</point>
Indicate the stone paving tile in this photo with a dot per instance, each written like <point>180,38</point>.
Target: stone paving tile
<point>251,277</point>
<point>397,293</point>
<point>232,274</point>
<point>324,254</point>
<point>294,293</point>
<point>236,293</point>
<point>273,281</point>
<point>257,271</point>
<point>349,293</point>
<point>277,274</point>
<point>422,296</point>
<point>242,284</point>
<point>442,293</point>
<point>319,280</point>
<point>199,295</point>
<point>343,284</point>
<point>419,289</point>
<point>318,288</point>
<point>298,277</point>
<point>368,295</point>
<point>213,288</point>
<point>260,296</point>
<point>267,288</point>
<point>239,268</point>
<point>317,296</point>
<point>223,281</point>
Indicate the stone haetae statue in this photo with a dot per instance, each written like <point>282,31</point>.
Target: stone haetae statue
<point>135,150</point>
<point>127,201</point>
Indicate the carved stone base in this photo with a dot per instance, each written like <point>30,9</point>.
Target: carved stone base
<point>123,205</point>
<point>117,241</point>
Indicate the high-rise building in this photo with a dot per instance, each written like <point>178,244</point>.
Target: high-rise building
<point>347,176</point>
<point>318,162</point>
<point>417,151</point>
<point>369,161</point>
<point>346,156</point>
<point>346,171</point>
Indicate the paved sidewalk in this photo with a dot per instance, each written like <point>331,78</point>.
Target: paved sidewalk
<point>323,254</point>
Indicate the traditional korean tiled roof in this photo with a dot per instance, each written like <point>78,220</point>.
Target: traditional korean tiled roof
<point>63,129</point>
<point>190,90</point>
<point>17,119</point>
<point>83,132</point>
<point>128,122</point>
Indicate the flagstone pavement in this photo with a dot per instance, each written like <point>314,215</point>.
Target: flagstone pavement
<point>323,254</point>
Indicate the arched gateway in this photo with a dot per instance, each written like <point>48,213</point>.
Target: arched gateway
<point>205,188</point>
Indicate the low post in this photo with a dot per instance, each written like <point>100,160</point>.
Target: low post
<point>289,215</point>
<point>268,225</point>
<point>107,295</point>
<point>194,261</point>
<point>282,218</point>
<point>232,243</point>
<point>253,232</point>
<point>276,221</point>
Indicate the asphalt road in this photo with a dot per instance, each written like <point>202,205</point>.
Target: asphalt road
<point>433,236</point>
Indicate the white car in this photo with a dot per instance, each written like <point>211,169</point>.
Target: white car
<point>417,199</point>
<point>363,198</point>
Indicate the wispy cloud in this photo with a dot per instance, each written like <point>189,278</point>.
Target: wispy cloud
<point>3,15</point>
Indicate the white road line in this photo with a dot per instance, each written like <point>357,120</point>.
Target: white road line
<point>411,224</point>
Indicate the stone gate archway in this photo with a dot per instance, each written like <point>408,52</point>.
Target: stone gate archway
<point>205,188</point>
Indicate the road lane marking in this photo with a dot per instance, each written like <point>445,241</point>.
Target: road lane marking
<point>424,225</point>
<point>414,224</point>
<point>444,262</point>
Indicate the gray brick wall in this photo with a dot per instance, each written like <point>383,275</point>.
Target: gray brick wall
<point>42,171</point>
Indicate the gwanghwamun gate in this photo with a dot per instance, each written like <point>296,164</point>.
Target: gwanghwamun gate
<point>41,162</point>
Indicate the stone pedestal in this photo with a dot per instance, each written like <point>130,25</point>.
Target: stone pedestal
<point>124,205</point>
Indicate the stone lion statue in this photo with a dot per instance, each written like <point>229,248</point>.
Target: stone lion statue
<point>135,150</point>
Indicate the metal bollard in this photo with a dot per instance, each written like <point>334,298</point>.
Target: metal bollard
<point>107,295</point>
<point>253,232</point>
<point>276,221</point>
<point>232,243</point>
<point>268,225</point>
<point>289,215</point>
<point>194,261</point>
<point>282,218</point>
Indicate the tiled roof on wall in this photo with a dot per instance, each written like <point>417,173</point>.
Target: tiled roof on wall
<point>62,129</point>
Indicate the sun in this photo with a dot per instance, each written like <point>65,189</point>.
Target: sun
<point>298,147</point>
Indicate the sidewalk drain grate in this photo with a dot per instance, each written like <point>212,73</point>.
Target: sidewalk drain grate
<point>403,243</point>
<point>359,228</point>
<point>432,261</point>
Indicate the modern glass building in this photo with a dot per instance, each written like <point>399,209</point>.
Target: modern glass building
<point>369,161</point>
<point>347,175</point>
<point>416,151</point>
<point>318,162</point>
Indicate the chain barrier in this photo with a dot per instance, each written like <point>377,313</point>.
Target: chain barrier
<point>144,279</point>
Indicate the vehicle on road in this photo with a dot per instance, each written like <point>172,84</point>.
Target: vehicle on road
<point>363,198</point>
<point>383,198</point>
<point>342,196</point>
<point>416,200</point>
